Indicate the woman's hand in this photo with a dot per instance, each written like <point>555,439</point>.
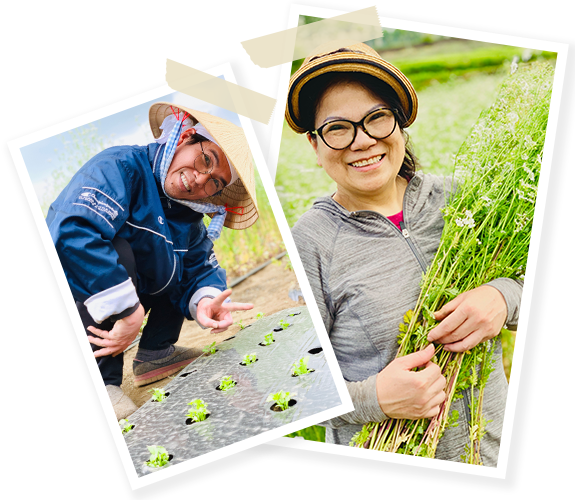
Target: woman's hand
<point>403,393</point>
<point>121,335</point>
<point>216,314</point>
<point>469,319</point>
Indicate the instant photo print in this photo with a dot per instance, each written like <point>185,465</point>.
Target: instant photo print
<point>229,386</point>
<point>465,121</point>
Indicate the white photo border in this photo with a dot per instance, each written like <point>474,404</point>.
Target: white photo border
<point>277,126</point>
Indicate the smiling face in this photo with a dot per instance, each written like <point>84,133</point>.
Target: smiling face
<point>183,181</point>
<point>369,167</point>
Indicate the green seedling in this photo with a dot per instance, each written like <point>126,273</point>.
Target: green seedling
<point>284,324</point>
<point>199,410</point>
<point>300,367</point>
<point>158,394</point>
<point>158,456</point>
<point>242,326</point>
<point>125,426</point>
<point>259,315</point>
<point>281,398</point>
<point>249,359</point>
<point>226,383</point>
<point>210,349</point>
<point>268,339</point>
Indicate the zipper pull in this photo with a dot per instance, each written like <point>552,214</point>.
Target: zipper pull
<point>169,204</point>
<point>404,230</point>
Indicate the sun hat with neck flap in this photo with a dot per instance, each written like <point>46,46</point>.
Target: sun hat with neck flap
<point>357,58</point>
<point>239,197</point>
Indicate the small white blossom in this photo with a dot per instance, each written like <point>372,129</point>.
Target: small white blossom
<point>466,221</point>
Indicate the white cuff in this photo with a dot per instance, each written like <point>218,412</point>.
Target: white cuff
<point>112,301</point>
<point>206,291</point>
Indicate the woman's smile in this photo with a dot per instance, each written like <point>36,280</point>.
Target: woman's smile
<point>367,164</point>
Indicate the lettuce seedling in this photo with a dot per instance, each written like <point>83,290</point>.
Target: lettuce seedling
<point>158,394</point>
<point>259,315</point>
<point>125,426</point>
<point>281,398</point>
<point>199,410</point>
<point>226,383</point>
<point>210,349</point>
<point>158,456</point>
<point>284,324</point>
<point>268,339</point>
<point>242,326</point>
<point>300,367</point>
<point>249,359</point>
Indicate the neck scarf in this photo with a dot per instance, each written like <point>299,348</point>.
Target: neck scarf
<point>217,222</point>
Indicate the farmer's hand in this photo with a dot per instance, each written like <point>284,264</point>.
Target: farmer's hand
<point>469,319</point>
<point>403,393</point>
<point>121,335</point>
<point>215,314</point>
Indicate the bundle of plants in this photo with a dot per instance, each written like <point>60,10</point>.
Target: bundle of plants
<point>488,219</point>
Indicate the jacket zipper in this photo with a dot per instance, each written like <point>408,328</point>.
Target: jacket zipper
<point>405,234</point>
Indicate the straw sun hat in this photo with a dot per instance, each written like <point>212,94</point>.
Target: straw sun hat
<point>357,58</point>
<point>240,196</point>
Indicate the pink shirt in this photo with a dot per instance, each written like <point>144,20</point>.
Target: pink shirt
<point>396,219</point>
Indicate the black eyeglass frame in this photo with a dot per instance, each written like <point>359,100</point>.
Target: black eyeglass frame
<point>207,160</point>
<point>355,125</point>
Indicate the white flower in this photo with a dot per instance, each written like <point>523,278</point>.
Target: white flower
<point>466,221</point>
<point>488,201</point>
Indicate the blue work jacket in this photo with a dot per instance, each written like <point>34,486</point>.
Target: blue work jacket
<point>116,194</point>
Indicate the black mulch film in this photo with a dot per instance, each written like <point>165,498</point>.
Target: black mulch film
<point>241,412</point>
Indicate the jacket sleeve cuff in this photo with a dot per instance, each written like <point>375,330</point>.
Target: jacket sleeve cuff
<point>112,301</point>
<point>206,291</point>
<point>364,397</point>
<point>511,291</point>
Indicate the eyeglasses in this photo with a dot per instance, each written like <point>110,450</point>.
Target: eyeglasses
<point>340,134</point>
<point>203,164</point>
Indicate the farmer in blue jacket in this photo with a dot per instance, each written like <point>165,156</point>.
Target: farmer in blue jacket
<point>129,232</point>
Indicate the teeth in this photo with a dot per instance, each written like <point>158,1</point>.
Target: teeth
<point>186,185</point>
<point>363,163</point>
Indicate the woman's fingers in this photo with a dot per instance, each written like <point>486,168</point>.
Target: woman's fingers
<point>448,326</point>
<point>237,306</point>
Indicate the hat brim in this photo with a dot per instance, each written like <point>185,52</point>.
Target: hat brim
<point>349,62</point>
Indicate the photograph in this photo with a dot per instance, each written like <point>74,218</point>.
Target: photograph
<point>409,170</point>
<point>170,251</point>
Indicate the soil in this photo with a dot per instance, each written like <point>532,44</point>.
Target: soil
<point>267,290</point>
<point>545,441</point>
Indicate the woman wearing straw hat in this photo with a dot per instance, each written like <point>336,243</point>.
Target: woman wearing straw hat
<point>129,232</point>
<point>365,247</point>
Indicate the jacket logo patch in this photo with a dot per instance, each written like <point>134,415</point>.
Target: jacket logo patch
<point>213,260</point>
<point>98,205</point>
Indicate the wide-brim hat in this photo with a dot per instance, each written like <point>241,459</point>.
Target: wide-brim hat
<point>357,58</point>
<point>240,196</point>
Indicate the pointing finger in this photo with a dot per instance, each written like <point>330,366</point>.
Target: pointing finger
<point>218,300</point>
<point>237,306</point>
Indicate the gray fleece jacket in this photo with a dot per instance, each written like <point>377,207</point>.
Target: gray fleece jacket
<point>365,274</point>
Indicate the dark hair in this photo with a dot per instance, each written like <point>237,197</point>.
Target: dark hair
<point>194,139</point>
<point>312,92</point>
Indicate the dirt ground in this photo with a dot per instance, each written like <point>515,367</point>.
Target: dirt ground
<point>267,289</point>
<point>545,440</point>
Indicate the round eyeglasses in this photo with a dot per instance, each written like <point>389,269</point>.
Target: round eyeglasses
<point>204,164</point>
<point>340,134</point>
